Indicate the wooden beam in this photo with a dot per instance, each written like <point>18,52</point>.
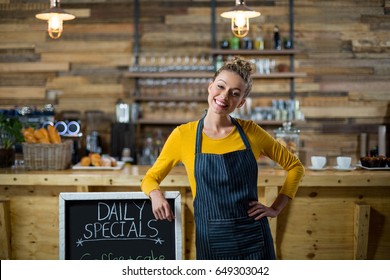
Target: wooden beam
<point>361,231</point>
<point>370,96</point>
<point>16,45</point>
<point>34,67</point>
<point>5,230</point>
<point>22,92</point>
<point>349,128</point>
<point>93,91</point>
<point>345,112</point>
<point>270,195</point>
<point>87,47</point>
<point>95,58</point>
<point>82,188</point>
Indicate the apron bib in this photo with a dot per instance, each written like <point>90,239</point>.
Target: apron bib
<point>225,184</point>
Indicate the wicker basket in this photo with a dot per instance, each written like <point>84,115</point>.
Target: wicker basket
<point>47,156</point>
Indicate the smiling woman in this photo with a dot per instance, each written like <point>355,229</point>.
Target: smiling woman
<point>230,221</point>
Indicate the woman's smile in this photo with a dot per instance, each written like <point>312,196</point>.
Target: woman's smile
<point>221,103</point>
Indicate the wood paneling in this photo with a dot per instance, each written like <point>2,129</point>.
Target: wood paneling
<point>345,51</point>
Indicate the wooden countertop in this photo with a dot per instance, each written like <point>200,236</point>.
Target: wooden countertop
<point>131,175</point>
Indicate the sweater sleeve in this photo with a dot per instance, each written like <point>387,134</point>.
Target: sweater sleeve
<point>170,155</point>
<point>289,162</point>
<point>273,149</point>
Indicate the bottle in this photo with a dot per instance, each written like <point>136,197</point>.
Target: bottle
<point>234,43</point>
<point>277,39</point>
<point>93,143</point>
<point>287,43</point>
<point>218,62</point>
<point>225,44</point>
<point>246,43</point>
<point>158,143</point>
<point>122,111</point>
<point>147,157</point>
<point>259,42</point>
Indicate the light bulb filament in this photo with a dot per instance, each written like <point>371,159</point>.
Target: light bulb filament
<point>55,26</point>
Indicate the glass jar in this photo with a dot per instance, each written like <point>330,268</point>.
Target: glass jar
<point>259,43</point>
<point>288,137</point>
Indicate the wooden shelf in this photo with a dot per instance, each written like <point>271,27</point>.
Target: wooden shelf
<point>162,75</point>
<point>163,121</point>
<point>181,121</point>
<point>171,98</point>
<point>276,123</point>
<point>254,52</point>
<point>279,75</point>
<point>173,74</point>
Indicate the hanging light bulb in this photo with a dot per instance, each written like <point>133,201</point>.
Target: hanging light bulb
<point>55,17</point>
<point>240,15</point>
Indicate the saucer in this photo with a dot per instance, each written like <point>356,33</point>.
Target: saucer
<point>317,169</point>
<point>344,169</point>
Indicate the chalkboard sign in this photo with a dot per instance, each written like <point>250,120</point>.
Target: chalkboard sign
<point>116,226</point>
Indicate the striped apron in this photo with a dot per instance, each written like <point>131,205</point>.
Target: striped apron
<point>225,184</point>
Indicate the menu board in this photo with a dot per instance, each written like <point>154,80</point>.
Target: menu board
<point>117,226</point>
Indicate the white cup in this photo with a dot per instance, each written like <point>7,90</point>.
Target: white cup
<point>344,162</point>
<point>318,162</point>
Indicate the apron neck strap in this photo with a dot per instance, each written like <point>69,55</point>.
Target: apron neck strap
<point>242,133</point>
<point>199,130</point>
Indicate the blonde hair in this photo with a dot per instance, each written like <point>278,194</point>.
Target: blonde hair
<point>242,68</point>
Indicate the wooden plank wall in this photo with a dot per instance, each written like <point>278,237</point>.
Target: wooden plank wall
<point>344,44</point>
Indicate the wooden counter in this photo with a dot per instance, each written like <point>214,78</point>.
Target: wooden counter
<point>335,215</point>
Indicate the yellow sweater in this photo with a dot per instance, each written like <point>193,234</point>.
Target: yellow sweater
<point>180,147</point>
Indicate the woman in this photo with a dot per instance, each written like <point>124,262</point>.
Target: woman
<point>220,156</point>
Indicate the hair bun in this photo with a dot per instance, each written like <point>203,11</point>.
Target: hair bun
<point>244,65</point>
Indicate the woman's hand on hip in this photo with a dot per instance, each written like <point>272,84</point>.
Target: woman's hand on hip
<point>258,210</point>
<point>160,206</point>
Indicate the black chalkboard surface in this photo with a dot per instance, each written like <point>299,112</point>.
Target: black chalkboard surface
<point>117,226</point>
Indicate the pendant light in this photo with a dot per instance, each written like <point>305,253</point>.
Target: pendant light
<point>240,15</point>
<point>55,16</point>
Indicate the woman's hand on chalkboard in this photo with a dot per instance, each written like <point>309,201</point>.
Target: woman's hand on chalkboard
<point>160,206</point>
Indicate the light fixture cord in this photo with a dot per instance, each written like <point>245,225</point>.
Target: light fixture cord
<point>54,3</point>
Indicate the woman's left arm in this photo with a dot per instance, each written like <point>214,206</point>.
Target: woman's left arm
<point>268,146</point>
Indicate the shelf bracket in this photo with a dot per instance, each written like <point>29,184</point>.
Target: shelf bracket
<point>292,59</point>
<point>136,42</point>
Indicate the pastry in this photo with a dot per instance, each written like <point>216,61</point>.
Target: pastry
<point>95,159</point>
<point>113,162</point>
<point>85,161</point>
<point>42,136</point>
<point>373,162</point>
<point>54,137</point>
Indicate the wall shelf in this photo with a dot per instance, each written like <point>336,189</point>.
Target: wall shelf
<point>171,98</point>
<point>183,121</point>
<point>162,75</point>
<point>254,52</point>
<point>173,74</point>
